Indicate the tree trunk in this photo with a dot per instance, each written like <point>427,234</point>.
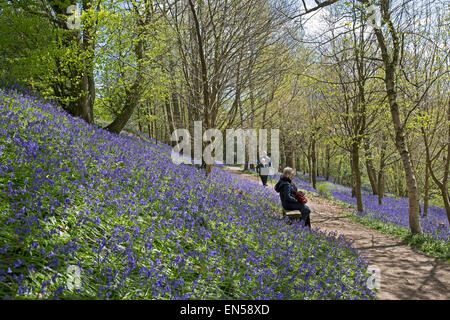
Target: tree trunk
<point>353,182</point>
<point>133,94</point>
<point>380,187</point>
<point>381,182</point>
<point>426,194</point>
<point>139,120</point>
<point>79,86</point>
<point>357,176</point>
<point>304,164</point>
<point>339,175</point>
<point>309,163</point>
<point>313,161</point>
<point>177,111</point>
<point>87,98</point>
<point>442,185</point>
<point>170,121</point>
<point>289,158</point>
<point>411,181</point>
<point>371,172</point>
<point>390,64</point>
<point>207,98</point>
<point>149,129</point>
<point>327,168</point>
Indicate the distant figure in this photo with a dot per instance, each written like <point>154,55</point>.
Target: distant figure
<point>263,162</point>
<point>287,195</point>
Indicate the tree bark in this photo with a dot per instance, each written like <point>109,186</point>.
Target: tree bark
<point>443,184</point>
<point>170,122</point>
<point>381,182</point>
<point>339,175</point>
<point>390,64</point>
<point>87,98</point>
<point>380,187</point>
<point>313,161</point>
<point>426,194</point>
<point>139,120</point>
<point>353,182</point>
<point>133,94</point>
<point>327,169</point>
<point>204,76</point>
<point>371,172</point>
<point>357,176</point>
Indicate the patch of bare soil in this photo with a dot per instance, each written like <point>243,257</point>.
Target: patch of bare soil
<point>405,273</point>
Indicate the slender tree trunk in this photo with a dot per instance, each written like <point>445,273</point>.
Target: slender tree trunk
<point>426,192</point>
<point>177,111</point>
<point>154,126</point>
<point>310,162</point>
<point>357,176</point>
<point>133,94</point>
<point>207,101</point>
<point>371,172</point>
<point>149,130</point>
<point>380,187</point>
<point>327,166</point>
<point>241,113</point>
<point>390,64</point>
<point>411,181</point>
<point>79,86</point>
<point>289,158</point>
<point>381,182</point>
<point>170,121</point>
<point>313,161</point>
<point>442,184</point>
<point>339,175</point>
<point>139,120</point>
<point>87,98</point>
<point>304,165</point>
<point>353,182</point>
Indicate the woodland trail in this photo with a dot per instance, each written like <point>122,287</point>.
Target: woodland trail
<point>405,273</point>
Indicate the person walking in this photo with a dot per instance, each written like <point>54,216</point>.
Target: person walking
<point>287,195</point>
<point>263,167</point>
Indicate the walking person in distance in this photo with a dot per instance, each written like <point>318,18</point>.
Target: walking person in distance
<point>263,166</point>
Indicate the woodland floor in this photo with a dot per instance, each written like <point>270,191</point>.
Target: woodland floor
<point>405,273</point>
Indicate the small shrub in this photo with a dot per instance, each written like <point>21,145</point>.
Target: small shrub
<point>324,189</point>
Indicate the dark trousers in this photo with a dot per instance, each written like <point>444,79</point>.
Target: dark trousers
<point>304,210</point>
<point>305,215</point>
<point>264,180</point>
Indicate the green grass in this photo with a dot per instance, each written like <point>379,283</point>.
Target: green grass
<point>324,189</point>
<point>246,171</point>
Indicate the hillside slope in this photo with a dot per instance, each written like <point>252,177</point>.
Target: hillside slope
<point>114,213</point>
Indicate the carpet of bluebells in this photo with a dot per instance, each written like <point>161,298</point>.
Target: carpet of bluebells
<point>392,210</point>
<point>133,225</point>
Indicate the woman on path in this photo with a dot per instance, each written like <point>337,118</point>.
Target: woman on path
<point>263,167</point>
<point>287,195</point>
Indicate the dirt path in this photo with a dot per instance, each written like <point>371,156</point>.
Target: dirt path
<point>405,273</point>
